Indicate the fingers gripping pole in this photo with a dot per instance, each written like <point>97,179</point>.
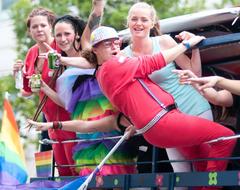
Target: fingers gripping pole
<point>87,181</point>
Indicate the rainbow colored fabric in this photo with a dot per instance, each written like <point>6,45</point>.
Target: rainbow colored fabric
<point>43,162</point>
<point>84,99</point>
<point>12,160</point>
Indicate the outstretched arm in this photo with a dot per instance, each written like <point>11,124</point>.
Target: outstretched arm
<point>103,125</point>
<point>79,62</point>
<point>231,85</point>
<point>220,98</point>
<point>94,21</point>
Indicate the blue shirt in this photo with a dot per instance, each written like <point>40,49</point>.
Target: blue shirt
<point>188,99</point>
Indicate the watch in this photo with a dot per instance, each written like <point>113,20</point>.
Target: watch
<point>186,44</point>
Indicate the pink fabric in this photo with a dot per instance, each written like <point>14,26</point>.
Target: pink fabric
<point>110,170</point>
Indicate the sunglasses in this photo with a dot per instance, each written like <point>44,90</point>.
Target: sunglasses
<point>110,43</point>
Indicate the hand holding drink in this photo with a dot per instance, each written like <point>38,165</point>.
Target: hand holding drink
<point>52,56</point>
<point>53,60</point>
<point>35,82</point>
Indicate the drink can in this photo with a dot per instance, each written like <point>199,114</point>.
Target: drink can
<point>35,82</point>
<point>52,60</point>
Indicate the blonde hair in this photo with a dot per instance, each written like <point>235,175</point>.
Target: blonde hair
<point>145,5</point>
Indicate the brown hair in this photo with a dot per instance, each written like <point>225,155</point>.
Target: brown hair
<point>90,56</point>
<point>40,11</point>
<point>155,31</point>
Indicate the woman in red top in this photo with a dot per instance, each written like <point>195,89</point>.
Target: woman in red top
<point>39,23</point>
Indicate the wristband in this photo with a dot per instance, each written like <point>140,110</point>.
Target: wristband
<point>60,126</point>
<point>186,44</point>
<point>55,125</point>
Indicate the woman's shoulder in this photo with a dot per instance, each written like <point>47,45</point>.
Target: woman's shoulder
<point>32,53</point>
<point>166,41</point>
<point>34,48</point>
<point>165,38</point>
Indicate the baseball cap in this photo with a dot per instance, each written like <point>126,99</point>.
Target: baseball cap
<point>102,33</point>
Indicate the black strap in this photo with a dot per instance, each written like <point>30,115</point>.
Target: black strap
<point>120,126</point>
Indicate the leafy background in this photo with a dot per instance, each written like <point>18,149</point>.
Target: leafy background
<point>115,15</point>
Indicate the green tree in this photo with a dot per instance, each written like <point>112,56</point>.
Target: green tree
<point>115,15</point>
<point>19,12</point>
<point>20,105</point>
<point>224,3</point>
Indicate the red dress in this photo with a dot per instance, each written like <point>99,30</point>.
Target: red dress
<point>52,112</point>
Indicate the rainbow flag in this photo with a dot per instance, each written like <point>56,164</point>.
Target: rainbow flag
<point>43,162</point>
<point>12,159</point>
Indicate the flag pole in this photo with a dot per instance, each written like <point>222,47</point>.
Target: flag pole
<point>97,169</point>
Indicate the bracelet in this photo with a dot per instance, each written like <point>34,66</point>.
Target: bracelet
<point>57,125</point>
<point>186,44</point>
<point>60,125</point>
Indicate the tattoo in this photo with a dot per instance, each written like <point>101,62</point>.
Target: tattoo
<point>94,22</point>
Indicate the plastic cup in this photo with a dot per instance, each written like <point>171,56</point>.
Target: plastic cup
<point>35,82</point>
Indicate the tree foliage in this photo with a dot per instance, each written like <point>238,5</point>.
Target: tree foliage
<point>115,15</point>
<point>21,106</point>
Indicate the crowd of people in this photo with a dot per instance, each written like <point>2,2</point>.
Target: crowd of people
<point>101,90</point>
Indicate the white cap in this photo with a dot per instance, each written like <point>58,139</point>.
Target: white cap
<point>102,33</point>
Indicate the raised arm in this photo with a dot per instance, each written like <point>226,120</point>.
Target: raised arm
<point>173,53</point>
<point>148,64</point>
<point>183,61</point>
<point>94,20</point>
